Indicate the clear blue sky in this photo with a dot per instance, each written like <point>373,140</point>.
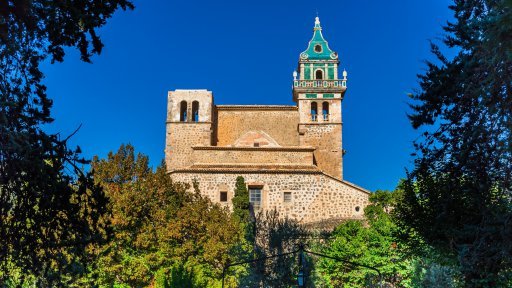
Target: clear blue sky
<point>245,52</point>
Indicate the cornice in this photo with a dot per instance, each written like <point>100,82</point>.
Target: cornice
<point>333,61</point>
<point>348,183</point>
<point>321,89</point>
<point>281,148</point>
<point>250,169</point>
<point>182,122</point>
<point>321,123</point>
<point>356,187</point>
<point>258,166</point>
<point>257,107</point>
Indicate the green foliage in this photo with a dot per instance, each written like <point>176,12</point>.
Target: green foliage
<point>176,276</point>
<point>430,274</point>
<point>371,244</point>
<point>382,202</point>
<point>163,233</point>
<point>458,197</point>
<point>275,235</point>
<point>241,204</point>
<point>242,214</point>
<point>50,210</point>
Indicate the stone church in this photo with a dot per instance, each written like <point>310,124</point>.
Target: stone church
<point>290,156</point>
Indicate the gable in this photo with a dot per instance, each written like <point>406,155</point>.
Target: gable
<point>255,138</point>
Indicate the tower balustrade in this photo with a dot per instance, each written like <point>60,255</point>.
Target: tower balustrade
<point>320,83</point>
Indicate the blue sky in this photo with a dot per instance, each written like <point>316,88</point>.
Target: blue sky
<point>245,52</point>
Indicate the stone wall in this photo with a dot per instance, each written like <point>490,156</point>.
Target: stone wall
<point>203,97</point>
<point>279,122</point>
<point>180,138</point>
<point>182,135</point>
<point>316,197</point>
<point>250,155</point>
<point>326,138</point>
<point>276,148</point>
<point>304,106</point>
<point>323,134</point>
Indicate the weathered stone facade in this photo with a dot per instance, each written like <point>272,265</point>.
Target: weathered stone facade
<point>314,196</point>
<point>279,122</point>
<point>290,156</point>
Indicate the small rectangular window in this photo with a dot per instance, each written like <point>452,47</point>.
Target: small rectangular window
<point>256,144</point>
<point>255,197</point>
<point>223,196</point>
<point>287,197</point>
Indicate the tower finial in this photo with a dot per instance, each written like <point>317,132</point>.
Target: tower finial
<point>317,24</point>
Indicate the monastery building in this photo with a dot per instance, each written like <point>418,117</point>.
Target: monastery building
<point>290,156</point>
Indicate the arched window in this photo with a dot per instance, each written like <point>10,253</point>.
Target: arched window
<point>319,74</point>
<point>325,110</point>
<point>183,111</point>
<point>195,111</point>
<point>314,111</point>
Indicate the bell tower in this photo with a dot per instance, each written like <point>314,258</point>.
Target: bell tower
<point>318,92</point>
<point>189,123</point>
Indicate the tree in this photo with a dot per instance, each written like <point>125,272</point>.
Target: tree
<point>241,204</point>
<point>162,232</point>
<point>458,197</point>
<point>242,210</point>
<point>49,209</point>
<point>276,235</point>
<point>372,244</point>
<point>431,274</point>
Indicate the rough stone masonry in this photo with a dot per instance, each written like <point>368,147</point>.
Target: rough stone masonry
<point>290,156</point>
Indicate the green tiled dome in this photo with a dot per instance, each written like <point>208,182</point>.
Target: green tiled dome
<point>318,48</point>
